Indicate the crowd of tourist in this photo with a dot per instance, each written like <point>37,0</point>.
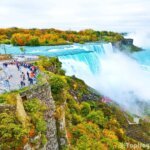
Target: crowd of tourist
<point>27,73</point>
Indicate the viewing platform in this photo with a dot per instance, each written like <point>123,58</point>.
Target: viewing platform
<point>15,74</point>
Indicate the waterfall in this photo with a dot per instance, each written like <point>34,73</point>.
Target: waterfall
<point>112,73</point>
<point>88,63</point>
<point>89,59</point>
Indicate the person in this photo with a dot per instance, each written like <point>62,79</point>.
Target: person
<point>28,75</point>
<point>23,76</point>
<point>32,75</point>
<point>6,83</point>
<point>10,76</point>
<point>5,64</point>
<point>18,67</point>
<point>22,83</point>
<point>31,81</point>
<point>32,68</point>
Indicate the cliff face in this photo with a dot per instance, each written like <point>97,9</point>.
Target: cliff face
<point>127,41</point>
<point>44,94</point>
<point>126,44</point>
<point>33,139</point>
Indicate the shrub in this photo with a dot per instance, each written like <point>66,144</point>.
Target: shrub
<point>76,119</point>
<point>11,131</point>
<point>74,107</point>
<point>36,109</point>
<point>85,108</point>
<point>96,117</point>
<point>110,134</point>
<point>44,139</point>
<point>51,64</point>
<point>11,98</point>
<point>34,105</point>
<point>2,100</point>
<point>86,143</point>
<point>84,128</point>
<point>57,84</point>
<point>32,132</point>
<point>41,125</point>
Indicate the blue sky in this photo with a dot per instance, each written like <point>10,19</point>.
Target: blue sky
<point>117,15</point>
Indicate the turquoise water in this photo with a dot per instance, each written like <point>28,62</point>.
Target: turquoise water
<point>87,53</point>
<point>143,57</point>
<point>78,52</point>
<point>45,50</point>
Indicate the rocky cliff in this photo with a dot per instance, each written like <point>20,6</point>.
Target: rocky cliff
<point>43,93</point>
<point>126,45</point>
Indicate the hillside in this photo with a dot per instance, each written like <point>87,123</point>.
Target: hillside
<point>75,117</point>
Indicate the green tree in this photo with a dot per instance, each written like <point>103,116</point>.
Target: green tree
<point>85,108</point>
<point>96,117</point>
<point>57,84</point>
<point>4,48</point>
<point>34,41</point>
<point>23,50</point>
<point>51,64</point>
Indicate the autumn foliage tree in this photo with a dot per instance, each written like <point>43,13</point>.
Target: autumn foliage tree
<point>35,37</point>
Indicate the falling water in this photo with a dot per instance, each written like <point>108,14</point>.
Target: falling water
<point>112,73</point>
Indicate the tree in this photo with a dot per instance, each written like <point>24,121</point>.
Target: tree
<point>23,50</point>
<point>51,64</point>
<point>57,84</point>
<point>34,41</point>
<point>85,108</point>
<point>96,117</point>
<point>4,48</point>
<point>20,39</point>
<point>86,143</point>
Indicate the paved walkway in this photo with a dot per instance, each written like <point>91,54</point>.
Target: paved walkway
<point>15,80</point>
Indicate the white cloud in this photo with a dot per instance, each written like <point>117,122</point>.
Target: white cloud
<point>76,14</point>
